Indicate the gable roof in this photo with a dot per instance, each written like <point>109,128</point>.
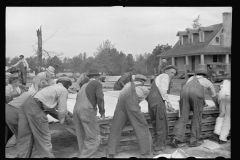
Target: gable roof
<point>198,47</point>
<point>182,33</point>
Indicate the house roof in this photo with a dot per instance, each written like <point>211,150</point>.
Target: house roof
<point>198,47</point>
<point>192,30</point>
<point>182,33</point>
<point>209,28</point>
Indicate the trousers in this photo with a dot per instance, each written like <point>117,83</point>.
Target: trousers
<point>33,130</point>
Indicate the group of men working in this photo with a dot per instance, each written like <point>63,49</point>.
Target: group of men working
<point>30,123</point>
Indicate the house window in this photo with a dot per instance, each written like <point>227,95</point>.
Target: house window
<point>217,39</point>
<point>214,58</point>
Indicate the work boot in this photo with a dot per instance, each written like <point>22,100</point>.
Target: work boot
<point>174,143</point>
<point>214,137</point>
<point>221,142</point>
<point>159,151</point>
<point>110,156</point>
<point>195,144</point>
<point>145,156</point>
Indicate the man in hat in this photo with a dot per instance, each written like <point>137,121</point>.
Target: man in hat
<point>42,76</point>
<point>223,122</point>
<point>24,67</point>
<point>33,127</point>
<point>158,103</point>
<point>12,90</point>
<point>128,109</point>
<point>125,78</point>
<point>84,115</point>
<point>12,109</point>
<point>192,99</point>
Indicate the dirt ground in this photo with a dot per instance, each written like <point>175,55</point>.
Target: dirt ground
<point>65,144</point>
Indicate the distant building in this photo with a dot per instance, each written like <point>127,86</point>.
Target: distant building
<point>196,48</point>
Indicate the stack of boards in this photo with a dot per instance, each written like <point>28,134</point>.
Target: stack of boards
<point>209,116</point>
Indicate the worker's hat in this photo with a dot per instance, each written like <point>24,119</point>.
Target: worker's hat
<point>141,77</point>
<point>13,77</point>
<point>169,67</point>
<point>93,72</point>
<point>64,78</point>
<point>202,72</point>
<point>50,69</point>
<point>21,56</point>
<point>130,69</point>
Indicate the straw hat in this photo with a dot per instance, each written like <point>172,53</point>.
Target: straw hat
<point>50,69</point>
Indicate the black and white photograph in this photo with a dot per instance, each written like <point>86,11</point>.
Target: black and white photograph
<point>118,82</point>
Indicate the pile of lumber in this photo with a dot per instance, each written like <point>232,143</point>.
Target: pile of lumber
<point>208,123</point>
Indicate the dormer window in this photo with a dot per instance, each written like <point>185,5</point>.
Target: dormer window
<point>217,40</point>
<point>180,40</point>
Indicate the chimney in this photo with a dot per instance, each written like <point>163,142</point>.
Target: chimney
<point>227,29</point>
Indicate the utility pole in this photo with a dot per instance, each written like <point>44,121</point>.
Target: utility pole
<point>39,50</point>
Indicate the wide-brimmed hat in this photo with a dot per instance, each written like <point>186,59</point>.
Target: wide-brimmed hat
<point>13,77</point>
<point>93,72</point>
<point>50,69</point>
<point>202,72</point>
<point>169,67</point>
<point>141,77</point>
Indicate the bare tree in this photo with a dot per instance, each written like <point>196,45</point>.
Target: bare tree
<point>196,24</point>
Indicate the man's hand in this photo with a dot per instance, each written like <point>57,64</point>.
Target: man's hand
<point>69,121</point>
<point>169,107</point>
<point>70,114</point>
<point>102,116</point>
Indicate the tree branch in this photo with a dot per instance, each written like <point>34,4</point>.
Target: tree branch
<point>50,37</point>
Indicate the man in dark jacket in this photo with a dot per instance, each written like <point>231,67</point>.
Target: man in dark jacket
<point>84,115</point>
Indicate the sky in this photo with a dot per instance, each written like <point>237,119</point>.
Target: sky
<point>75,30</point>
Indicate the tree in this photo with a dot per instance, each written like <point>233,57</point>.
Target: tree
<point>130,61</point>
<point>14,60</point>
<point>153,59</point>
<point>196,24</point>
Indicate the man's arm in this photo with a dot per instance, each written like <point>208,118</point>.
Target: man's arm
<point>100,98</point>
<point>212,92</point>
<point>163,85</point>
<point>62,106</point>
<point>15,65</point>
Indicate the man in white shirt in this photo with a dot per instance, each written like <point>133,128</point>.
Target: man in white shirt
<point>223,122</point>
<point>192,98</point>
<point>33,122</point>
<point>158,103</point>
<point>24,67</point>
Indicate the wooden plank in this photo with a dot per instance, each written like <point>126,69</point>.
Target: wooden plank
<point>170,115</point>
<point>71,130</point>
<point>106,128</point>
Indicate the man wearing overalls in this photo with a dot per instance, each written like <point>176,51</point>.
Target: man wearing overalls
<point>84,115</point>
<point>128,109</point>
<point>158,103</point>
<point>192,99</point>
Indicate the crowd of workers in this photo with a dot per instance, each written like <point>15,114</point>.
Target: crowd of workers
<point>26,111</point>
